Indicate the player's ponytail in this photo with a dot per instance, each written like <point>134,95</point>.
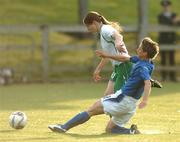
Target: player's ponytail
<point>94,16</point>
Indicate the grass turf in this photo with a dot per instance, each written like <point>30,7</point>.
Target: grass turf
<point>55,103</point>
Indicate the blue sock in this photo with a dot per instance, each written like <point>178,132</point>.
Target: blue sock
<point>120,130</point>
<point>76,120</point>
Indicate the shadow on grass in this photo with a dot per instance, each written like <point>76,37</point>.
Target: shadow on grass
<point>7,131</point>
<point>85,136</point>
<point>90,135</point>
<point>29,139</point>
<point>40,138</point>
<point>57,138</point>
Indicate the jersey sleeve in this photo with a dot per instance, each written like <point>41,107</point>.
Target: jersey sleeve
<point>107,33</point>
<point>134,59</point>
<point>144,73</point>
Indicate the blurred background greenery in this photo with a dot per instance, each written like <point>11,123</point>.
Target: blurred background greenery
<point>78,63</point>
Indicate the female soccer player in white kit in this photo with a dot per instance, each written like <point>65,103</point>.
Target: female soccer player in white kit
<point>111,42</point>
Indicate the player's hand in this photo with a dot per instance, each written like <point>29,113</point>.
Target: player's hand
<point>142,104</point>
<point>121,48</point>
<point>96,76</point>
<point>101,54</point>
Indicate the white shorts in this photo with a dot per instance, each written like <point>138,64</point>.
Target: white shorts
<point>120,107</point>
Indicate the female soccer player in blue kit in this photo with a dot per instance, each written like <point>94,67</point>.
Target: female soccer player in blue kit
<point>122,105</point>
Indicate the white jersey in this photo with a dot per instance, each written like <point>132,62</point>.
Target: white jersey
<point>108,44</point>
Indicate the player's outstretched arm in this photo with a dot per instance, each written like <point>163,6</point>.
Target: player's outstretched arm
<point>118,40</point>
<point>147,91</point>
<point>96,74</point>
<point>121,58</point>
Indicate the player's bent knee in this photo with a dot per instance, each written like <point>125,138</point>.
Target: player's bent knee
<point>91,111</point>
<point>95,109</point>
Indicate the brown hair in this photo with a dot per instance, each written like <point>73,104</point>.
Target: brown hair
<point>151,47</point>
<point>95,16</point>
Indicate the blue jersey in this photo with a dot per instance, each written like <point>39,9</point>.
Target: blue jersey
<point>141,71</point>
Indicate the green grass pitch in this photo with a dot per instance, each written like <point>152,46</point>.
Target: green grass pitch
<point>47,104</point>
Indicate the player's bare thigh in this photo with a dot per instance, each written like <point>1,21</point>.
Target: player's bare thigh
<point>110,88</point>
<point>96,109</point>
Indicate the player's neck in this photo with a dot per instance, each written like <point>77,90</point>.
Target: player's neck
<point>100,26</point>
<point>144,58</point>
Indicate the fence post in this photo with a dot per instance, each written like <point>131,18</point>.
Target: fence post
<point>83,9</point>
<point>45,47</point>
<point>143,19</point>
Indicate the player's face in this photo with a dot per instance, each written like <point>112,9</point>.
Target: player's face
<point>141,53</point>
<point>92,28</point>
<point>166,8</point>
